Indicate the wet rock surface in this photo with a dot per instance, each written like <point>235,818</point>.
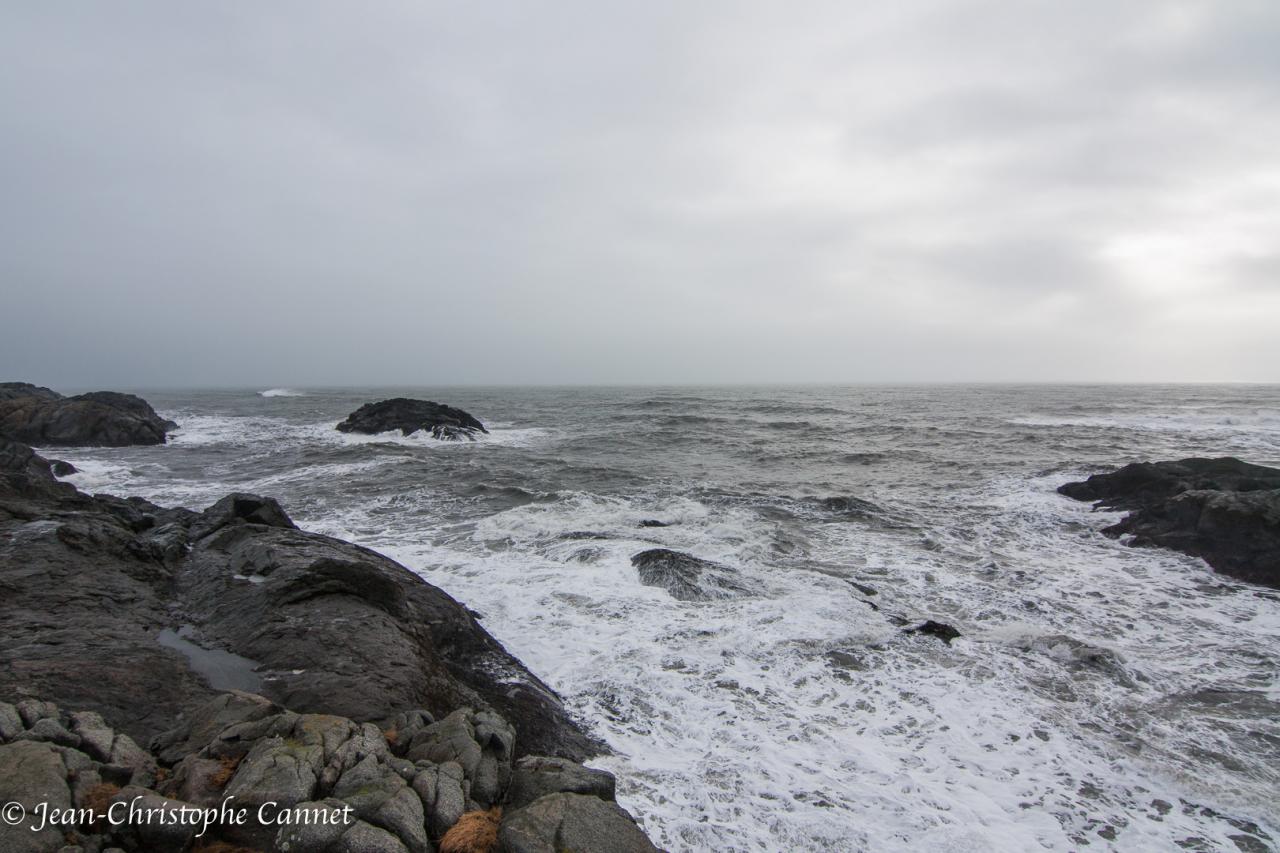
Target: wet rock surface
<point>409,416</point>
<point>41,417</point>
<point>1223,510</point>
<point>90,583</point>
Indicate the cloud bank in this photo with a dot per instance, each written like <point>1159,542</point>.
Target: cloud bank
<point>407,193</point>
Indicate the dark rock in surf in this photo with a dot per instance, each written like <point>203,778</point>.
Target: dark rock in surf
<point>61,468</point>
<point>686,577</point>
<point>40,417</point>
<point>409,416</point>
<point>941,630</point>
<point>653,522</point>
<point>1223,510</point>
<point>90,582</point>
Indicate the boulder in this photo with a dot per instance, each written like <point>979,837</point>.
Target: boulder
<point>50,731</point>
<point>32,773</point>
<point>535,776</point>
<point>1222,510</point>
<point>686,577</point>
<point>443,790</point>
<point>410,416</point>
<point>481,743</point>
<point>382,798</point>
<point>42,417</point>
<point>205,723</point>
<point>10,722</point>
<point>96,737</point>
<point>577,822</point>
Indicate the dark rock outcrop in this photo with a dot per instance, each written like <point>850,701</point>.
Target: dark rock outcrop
<point>410,416</point>
<point>88,585</point>
<point>686,577</point>
<point>38,416</point>
<point>1222,510</point>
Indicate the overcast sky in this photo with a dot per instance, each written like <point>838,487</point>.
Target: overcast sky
<point>314,193</point>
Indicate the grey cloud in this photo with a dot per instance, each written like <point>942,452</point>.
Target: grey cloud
<point>306,193</point>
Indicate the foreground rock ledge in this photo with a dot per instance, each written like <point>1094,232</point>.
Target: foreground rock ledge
<point>140,614</point>
<point>245,773</point>
<point>1222,510</point>
<point>409,416</point>
<point>39,416</point>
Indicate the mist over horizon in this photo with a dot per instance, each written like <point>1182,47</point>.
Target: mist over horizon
<point>726,194</point>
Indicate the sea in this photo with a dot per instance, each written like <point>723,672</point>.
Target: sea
<point>1099,696</point>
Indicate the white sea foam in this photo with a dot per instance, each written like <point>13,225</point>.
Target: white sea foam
<point>735,729</point>
<point>282,392</point>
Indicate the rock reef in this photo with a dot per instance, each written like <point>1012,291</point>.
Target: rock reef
<point>410,416</point>
<point>1222,510</point>
<point>38,416</point>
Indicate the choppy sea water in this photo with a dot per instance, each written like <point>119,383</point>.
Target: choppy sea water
<point>1101,696</point>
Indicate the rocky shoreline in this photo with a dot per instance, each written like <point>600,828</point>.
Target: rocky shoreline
<point>371,688</point>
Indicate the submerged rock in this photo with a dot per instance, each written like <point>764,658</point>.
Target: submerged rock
<point>41,417</point>
<point>930,628</point>
<point>1222,510</point>
<point>410,416</point>
<point>686,577</point>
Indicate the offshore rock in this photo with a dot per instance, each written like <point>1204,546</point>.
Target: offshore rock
<point>409,416</point>
<point>686,577</point>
